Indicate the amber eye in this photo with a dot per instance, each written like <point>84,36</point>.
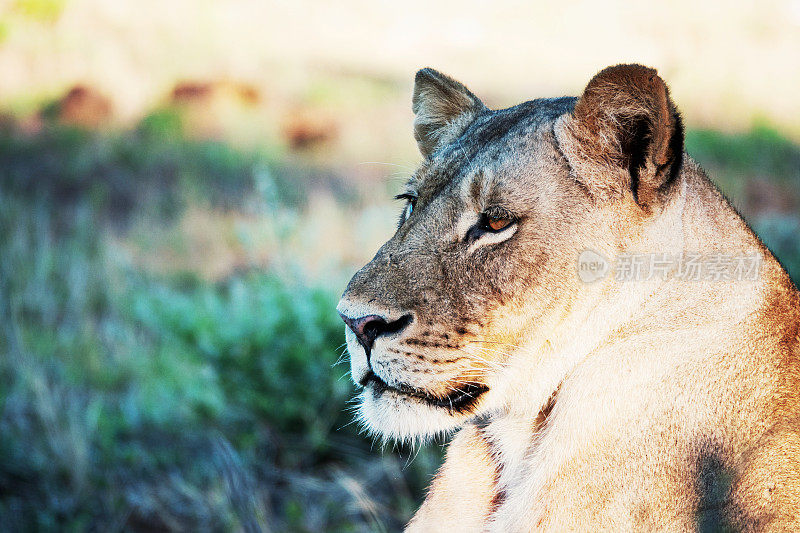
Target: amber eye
<point>498,223</point>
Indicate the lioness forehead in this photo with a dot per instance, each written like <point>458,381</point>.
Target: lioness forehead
<point>492,137</point>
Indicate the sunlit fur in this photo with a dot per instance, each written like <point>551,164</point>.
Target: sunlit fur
<point>650,405</point>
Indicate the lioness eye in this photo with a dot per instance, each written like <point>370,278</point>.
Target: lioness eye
<point>498,224</point>
<point>411,201</point>
<point>493,220</point>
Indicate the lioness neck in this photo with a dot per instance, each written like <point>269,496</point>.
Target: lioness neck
<point>607,358</point>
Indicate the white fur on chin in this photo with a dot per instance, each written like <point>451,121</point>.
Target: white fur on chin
<point>395,417</point>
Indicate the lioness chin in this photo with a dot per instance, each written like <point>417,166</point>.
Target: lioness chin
<point>567,290</point>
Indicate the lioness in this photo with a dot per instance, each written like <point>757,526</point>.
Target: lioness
<point>569,292</point>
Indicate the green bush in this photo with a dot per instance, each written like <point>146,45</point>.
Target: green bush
<point>733,160</point>
<point>266,337</point>
<point>779,233</point>
<point>134,401</point>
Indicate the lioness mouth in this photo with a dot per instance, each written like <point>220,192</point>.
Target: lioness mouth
<point>459,400</point>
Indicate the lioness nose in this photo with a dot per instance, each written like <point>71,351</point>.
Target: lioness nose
<point>370,327</point>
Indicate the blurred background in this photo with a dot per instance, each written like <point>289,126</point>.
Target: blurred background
<point>187,186</point>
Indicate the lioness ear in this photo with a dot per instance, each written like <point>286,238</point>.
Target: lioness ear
<point>624,134</point>
<point>443,108</point>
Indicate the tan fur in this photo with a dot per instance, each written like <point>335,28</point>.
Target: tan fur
<point>465,489</point>
<point>658,404</point>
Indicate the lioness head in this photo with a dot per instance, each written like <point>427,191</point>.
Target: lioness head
<point>484,258</point>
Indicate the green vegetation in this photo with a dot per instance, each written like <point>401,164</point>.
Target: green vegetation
<point>760,172</point>
<point>40,10</point>
<point>134,398</point>
<point>735,159</point>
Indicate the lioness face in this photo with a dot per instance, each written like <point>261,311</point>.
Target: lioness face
<point>483,258</point>
<point>476,259</point>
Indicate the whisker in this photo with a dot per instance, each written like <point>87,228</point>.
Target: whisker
<point>387,164</point>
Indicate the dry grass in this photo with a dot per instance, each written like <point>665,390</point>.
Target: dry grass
<point>728,63</point>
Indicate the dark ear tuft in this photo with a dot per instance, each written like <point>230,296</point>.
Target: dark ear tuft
<point>624,134</point>
<point>443,109</point>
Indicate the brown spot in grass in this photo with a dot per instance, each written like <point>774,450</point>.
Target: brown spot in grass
<point>84,106</point>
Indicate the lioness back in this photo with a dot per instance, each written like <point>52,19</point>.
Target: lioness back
<point>569,293</point>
